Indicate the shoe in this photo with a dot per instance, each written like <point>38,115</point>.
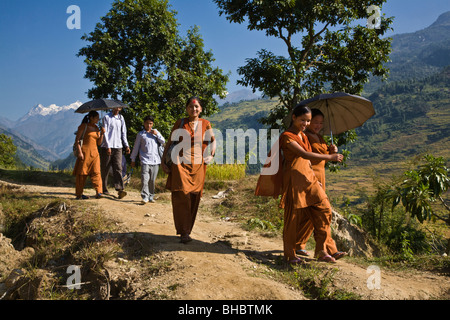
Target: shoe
<point>297,261</point>
<point>99,195</point>
<point>122,194</point>
<point>302,252</point>
<point>339,255</point>
<point>185,239</point>
<point>152,201</point>
<point>144,202</point>
<point>327,258</point>
<point>83,197</point>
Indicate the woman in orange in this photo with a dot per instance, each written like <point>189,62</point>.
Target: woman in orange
<point>188,170</point>
<point>318,145</point>
<point>302,196</point>
<point>88,161</point>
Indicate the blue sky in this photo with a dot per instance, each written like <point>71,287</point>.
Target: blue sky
<point>38,62</point>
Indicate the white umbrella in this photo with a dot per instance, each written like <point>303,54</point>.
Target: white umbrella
<point>342,111</point>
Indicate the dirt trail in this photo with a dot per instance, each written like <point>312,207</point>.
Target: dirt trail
<point>226,262</point>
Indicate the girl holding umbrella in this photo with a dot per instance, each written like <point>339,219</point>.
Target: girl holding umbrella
<point>302,196</point>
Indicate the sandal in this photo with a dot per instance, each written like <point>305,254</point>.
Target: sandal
<point>303,252</point>
<point>297,261</point>
<point>83,197</point>
<point>339,255</point>
<point>327,258</point>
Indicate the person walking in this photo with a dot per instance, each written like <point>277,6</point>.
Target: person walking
<point>318,145</point>
<point>187,173</point>
<point>302,196</point>
<point>88,160</point>
<point>147,146</point>
<point>111,150</point>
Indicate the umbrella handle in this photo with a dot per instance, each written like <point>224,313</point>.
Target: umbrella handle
<point>329,122</point>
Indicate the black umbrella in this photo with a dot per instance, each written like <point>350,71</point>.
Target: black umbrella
<point>100,104</point>
<point>344,111</point>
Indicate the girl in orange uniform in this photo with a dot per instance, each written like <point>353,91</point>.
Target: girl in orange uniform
<point>318,145</point>
<point>187,175</point>
<point>88,161</point>
<point>302,196</point>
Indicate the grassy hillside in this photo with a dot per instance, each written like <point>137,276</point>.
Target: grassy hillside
<point>26,152</point>
<point>243,115</point>
<point>412,117</point>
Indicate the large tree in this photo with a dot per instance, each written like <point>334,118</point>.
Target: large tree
<point>328,50</point>
<point>137,55</point>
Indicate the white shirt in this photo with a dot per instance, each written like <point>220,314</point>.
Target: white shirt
<point>147,146</point>
<point>116,132</point>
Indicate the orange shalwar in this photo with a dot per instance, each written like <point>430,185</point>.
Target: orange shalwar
<point>318,166</point>
<point>302,197</point>
<point>90,165</point>
<point>186,180</point>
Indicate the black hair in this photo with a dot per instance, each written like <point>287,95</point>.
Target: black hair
<point>300,110</point>
<point>192,99</point>
<point>316,112</point>
<point>149,118</point>
<point>90,115</point>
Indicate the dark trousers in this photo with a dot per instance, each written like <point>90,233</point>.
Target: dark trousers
<point>113,161</point>
<point>185,207</point>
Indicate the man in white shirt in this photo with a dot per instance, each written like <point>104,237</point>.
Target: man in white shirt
<point>147,145</point>
<point>115,140</point>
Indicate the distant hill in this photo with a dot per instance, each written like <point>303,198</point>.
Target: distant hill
<point>27,150</point>
<point>419,54</point>
<point>412,117</point>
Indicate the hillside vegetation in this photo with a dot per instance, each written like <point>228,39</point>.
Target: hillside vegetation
<point>412,117</point>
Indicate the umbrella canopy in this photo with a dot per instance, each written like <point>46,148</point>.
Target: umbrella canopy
<point>342,111</point>
<point>100,104</point>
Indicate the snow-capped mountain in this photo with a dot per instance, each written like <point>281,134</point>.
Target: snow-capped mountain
<point>52,127</point>
<point>40,110</point>
<point>237,96</point>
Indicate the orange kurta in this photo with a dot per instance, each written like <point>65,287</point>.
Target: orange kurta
<point>186,180</point>
<point>318,145</point>
<point>90,165</point>
<point>321,147</point>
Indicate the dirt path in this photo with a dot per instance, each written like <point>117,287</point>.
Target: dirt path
<point>226,262</point>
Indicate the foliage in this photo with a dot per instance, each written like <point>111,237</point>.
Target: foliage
<point>7,152</point>
<point>137,55</point>
<point>422,187</point>
<point>412,114</point>
<point>420,193</point>
<point>225,172</point>
<point>326,49</point>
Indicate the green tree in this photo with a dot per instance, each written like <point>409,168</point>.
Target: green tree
<point>137,55</point>
<point>422,188</point>
<point>7,151</point>
<point>327,50</point>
